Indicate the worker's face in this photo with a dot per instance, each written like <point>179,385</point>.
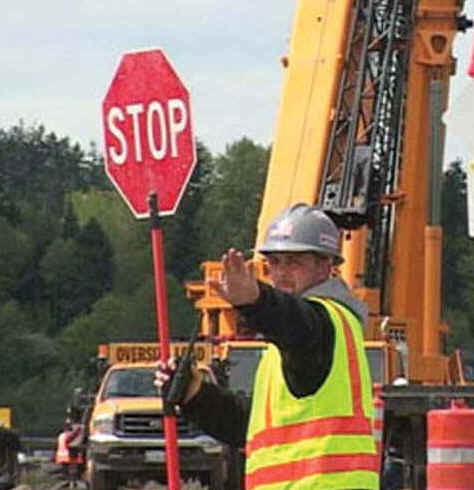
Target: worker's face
<point>297,272</point>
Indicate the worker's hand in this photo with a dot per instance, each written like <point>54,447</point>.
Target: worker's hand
<point>238,284</point>
<point>164,375</point>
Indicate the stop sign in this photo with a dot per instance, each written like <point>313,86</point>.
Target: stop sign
<point>148,138</point>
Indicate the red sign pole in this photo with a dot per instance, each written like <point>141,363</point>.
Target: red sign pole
<point>149,145</point>
<point>172,455</point>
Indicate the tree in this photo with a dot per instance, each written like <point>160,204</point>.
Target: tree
<point>15,254</point>
<point>76,272</point>
<point>76,267</point>
<point>96,254</point>
<point>458,257</point>
<point>59,268</point>
<point>38,165</point>
<point>37,171</point>
<point>129,238</point>
<point>456,243</point>
<point>71,226</point>
<point>229,212</point>
<point>182,231</point>
<point>24,351</point>
<point>116,317</point>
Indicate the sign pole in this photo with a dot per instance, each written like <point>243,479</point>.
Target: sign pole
<point>172,456</point>
<point>149,145</point>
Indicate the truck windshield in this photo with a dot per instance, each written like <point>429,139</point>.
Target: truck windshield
<point>242,365</point>
<point>130,382</point>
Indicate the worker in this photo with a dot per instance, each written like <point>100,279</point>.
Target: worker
<point>310,421</point>
<point>68,450</point>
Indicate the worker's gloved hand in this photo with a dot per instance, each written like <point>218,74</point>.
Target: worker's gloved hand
<point>178,380</point>
<point>164,375</point>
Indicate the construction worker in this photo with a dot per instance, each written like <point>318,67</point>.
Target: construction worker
<point>310,421</point>
<point>68,450</point>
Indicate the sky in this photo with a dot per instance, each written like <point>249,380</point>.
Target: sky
<point>58,59</point>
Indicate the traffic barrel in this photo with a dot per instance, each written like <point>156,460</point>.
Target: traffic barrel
<point>378,420</point>
<point>451,448</point>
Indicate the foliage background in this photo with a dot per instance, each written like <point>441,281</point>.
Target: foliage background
<point>76,267</point>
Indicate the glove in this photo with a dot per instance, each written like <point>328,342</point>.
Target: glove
<point>178,384</point>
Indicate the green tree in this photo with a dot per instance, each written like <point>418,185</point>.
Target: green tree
<point>38,168</point>
<point>456,243</point>
<point>182,231</point>
<point>71,226</point>
<point>116,317</point>
<point>129,238</point>
<point>59,268</point>
<point>76,272</point>
<point>15,254</point>
<point>76,269</point>
<point>37,171</point>
<point>458,257</point>
<point>40,411</point>
<point>24,351</point>
<point>230,208</point>
<point>96,254</point>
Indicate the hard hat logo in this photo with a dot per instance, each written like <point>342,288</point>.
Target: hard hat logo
<point>303,228</point>
<point>284,229</point>
<point>328,241</point>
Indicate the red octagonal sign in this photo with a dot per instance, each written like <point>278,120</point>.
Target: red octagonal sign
<point>148,137</point>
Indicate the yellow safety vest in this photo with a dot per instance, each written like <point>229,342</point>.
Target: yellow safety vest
<point>320,441</point>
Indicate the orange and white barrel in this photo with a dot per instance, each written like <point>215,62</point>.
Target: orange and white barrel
<point>451,448</point>
<point>378,420</point>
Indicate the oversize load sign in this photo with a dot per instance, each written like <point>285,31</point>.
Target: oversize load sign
<point>148,138</point>
<point>149,352</point>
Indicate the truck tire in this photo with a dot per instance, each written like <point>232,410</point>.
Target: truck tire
<point>102,480</point>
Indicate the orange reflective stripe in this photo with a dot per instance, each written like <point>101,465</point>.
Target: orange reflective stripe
<point>307,467</point>
<point>268,406</point>
<point>305,430</point>
<point>353,362</point>
<point>357,424</point>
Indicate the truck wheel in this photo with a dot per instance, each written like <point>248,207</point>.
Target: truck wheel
<point>102,480</point>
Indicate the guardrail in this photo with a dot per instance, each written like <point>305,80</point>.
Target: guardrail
<point>37,449</point>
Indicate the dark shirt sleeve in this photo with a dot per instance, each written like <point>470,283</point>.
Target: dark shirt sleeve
<point>303,332</point>
<point>219,413</point>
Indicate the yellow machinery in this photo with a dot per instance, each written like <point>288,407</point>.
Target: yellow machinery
<point>6,417</point>
<point>359,133</point>
<point>9,449</point>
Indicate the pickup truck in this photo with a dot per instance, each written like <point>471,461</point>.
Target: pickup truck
<point>126,440</point>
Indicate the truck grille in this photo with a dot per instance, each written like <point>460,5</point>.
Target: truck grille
<point>146,424</point>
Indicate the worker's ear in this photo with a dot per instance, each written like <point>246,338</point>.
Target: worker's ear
<point>324,263</point>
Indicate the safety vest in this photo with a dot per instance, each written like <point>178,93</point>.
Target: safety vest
<point>63,453</point>
<point>76,438</point>
<point>320,441</point>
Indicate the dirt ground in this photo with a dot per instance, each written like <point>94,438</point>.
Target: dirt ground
<point>38,479</point>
